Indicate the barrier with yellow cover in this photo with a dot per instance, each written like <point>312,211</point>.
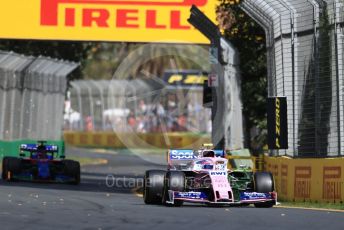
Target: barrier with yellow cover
<point>308,179</point>
<point>134,140</point>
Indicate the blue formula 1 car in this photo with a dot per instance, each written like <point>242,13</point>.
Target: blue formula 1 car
<point>40,162</point>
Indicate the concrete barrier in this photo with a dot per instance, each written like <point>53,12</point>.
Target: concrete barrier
<point>316,180</point>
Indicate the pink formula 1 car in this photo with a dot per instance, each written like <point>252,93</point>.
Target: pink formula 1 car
<point>201,176</point>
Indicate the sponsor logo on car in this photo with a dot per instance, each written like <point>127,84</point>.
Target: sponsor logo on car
<point>254,195</point>
<point>218,173</point>
<point>220,167</point>
<point>190,195</point>
<point>182,155</point>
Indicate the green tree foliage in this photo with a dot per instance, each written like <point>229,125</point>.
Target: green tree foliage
<point>104,58</point>
<point>249,39</point>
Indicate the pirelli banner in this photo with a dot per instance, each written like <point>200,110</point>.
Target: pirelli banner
<point>316,180</point>
<point>103,20</point>
<point>277,123</point>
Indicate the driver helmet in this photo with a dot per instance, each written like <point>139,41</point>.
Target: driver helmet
<point>208,153</point>
<point>41,151</point>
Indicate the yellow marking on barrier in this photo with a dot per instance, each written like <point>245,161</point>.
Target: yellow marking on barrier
<point>84,161</point>
<point>104,151</point>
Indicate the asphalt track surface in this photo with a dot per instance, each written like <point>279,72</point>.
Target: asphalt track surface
<point>99,204</point>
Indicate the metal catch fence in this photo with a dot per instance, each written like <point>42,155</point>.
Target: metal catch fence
<point>305,53</point>
<point>32,93</point>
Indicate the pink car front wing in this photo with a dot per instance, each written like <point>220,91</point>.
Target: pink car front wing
<point>222,193</point>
